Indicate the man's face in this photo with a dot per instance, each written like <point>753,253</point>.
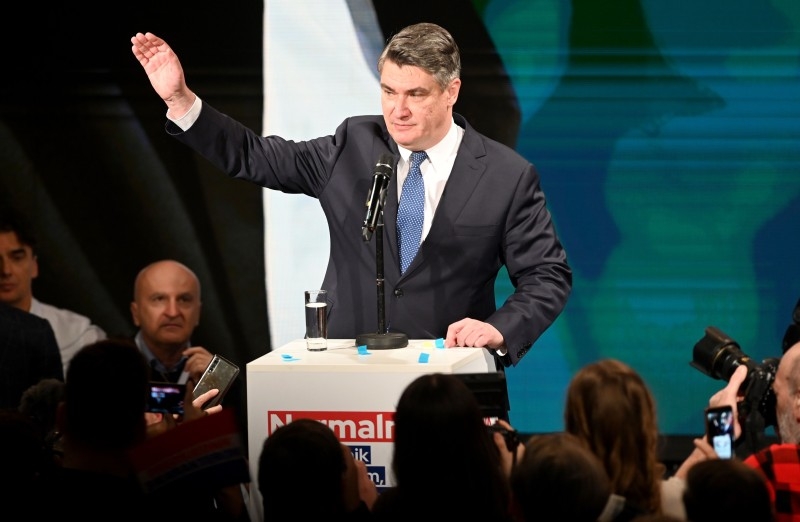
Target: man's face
<point>18,269</point>
<point>787,400</point>
<point>416,110</point>
<point>166,305</point>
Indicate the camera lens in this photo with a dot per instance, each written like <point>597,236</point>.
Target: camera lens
<point>718,356</point>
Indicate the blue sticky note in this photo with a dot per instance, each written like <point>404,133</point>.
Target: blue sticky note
<point>362,350</point>
<point>423,357</point>
<point>439,343</point>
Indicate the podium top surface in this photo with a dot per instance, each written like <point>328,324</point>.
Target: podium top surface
<point>343,355</point>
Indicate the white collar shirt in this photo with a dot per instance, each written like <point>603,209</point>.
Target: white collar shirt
<point>435,171</point>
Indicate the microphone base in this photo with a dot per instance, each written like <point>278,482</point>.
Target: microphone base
<point>387,341</point>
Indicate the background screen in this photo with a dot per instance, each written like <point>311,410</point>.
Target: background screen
<point>667,138</point>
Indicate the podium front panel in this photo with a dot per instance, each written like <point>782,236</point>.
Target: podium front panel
<point>354,393</point>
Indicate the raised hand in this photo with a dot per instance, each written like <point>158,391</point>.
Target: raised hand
<point>165,72</point>
<point>198,360</point>
<point>729,396</point>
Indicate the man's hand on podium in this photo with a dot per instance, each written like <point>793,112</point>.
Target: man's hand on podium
<point>473,333</point>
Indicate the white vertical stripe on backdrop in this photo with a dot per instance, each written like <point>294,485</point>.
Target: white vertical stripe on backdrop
<point>315,75</point>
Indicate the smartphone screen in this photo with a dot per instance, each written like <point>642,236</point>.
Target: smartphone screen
<point>719,430</point>
<point>166,397</point>
<point>219,374</point>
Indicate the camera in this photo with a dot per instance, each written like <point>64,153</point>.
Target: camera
<point>510,436</point>
<point>718,356</point>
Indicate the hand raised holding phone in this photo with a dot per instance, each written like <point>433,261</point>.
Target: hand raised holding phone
<point>220,375</point>
<point>720,430</point>
<point>161,418</point>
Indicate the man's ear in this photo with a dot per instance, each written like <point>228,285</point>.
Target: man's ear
<point>35,265</point>
<point>452,91</point>
<point>135,313</point>
<point>796,406</point>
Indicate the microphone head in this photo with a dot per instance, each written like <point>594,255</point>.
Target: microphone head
<point>385,164</point>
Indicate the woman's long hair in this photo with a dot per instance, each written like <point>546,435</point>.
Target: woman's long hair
<point>443,450</point>
<point>610,408</point>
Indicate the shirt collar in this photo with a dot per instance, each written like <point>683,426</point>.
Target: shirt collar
<point>446,148</point>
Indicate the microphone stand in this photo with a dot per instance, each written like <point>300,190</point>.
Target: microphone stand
<point>381,340</point>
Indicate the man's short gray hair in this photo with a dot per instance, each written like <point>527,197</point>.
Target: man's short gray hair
<point>427,46</point>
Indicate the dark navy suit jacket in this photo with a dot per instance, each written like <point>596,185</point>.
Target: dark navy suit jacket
<point>28,353</point>
<point>492,213</point>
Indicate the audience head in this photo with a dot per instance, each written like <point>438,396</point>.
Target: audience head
<point>40,403</point>
<point>558,478</point>
<point>300,472</point>
<point>442,445</point>
<point>166,303</point>
<point>726,489</point>
<point>787,392</point>
<point>18,261</point>
<point>22,458</point>
<point>105,396</point>
<point>611,410</point>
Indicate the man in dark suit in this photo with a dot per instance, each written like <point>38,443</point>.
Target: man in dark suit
<point>28,354</point>
<point>483,204</point>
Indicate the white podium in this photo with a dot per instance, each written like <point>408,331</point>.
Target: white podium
<point>353,393</point>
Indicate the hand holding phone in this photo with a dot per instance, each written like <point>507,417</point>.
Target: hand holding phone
<point>719,430</point>
<point>219,374</point>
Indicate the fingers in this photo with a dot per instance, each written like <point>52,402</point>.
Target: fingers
<point>152,418</point>
<point>705,448</point>
<point>198,360</point>
<point>702,451</point>
<point>452,332</point>
<point>473,333</point>
<point>158,423</point>
<point>729,394</point>
<point>504,424</point>
<point>738,377</point>
<point>214,409</point>
<point>205,397</point>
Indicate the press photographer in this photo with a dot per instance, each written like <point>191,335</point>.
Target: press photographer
<point>763,395</point>
<point>719,356</point>
<point>778,463</point>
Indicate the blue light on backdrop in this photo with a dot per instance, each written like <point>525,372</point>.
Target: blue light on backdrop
<point>667,137</point>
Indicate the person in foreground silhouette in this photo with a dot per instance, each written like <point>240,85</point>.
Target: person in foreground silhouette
<point>445,463</point>
<point>305,473</point>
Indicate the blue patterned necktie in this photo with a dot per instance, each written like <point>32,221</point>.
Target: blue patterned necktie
<point>411,212</point>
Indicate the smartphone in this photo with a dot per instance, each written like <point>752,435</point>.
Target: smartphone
<point>719,430</point>
<point>219,374</point>
<point>166,397</point>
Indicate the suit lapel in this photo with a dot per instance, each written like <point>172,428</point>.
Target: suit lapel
<point>467,172</point>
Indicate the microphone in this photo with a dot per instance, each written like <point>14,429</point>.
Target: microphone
<point>384,169</point>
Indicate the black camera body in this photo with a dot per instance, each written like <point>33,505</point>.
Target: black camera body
<point>510,436</point>
<point>718,356</point>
